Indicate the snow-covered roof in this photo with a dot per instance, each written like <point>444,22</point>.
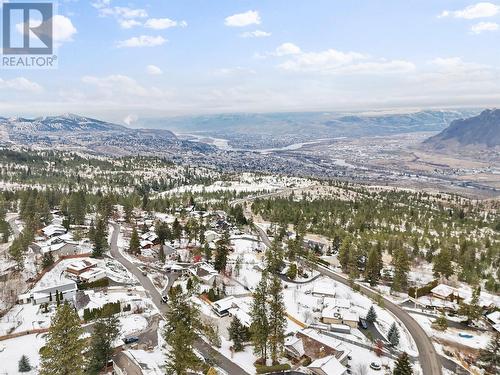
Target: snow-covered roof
<point>243,316</point>
<point>145,243</point>
<point>224,304</point>
<point>52,229</point>
<point>63,286</point>
<point>329,365</point>
<point>337,302</point>
<point>80,265</point>
<point>496,327</point>
<point>443,290</point>
<point>494,317</point>
<point>323,289</point>
<point>92,273</point>
<point>295,344</point>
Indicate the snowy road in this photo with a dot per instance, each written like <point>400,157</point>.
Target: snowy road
<point>206,350</point>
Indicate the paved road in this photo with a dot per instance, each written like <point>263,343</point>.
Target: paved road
<point>428,357</point>
<point>206,350</point>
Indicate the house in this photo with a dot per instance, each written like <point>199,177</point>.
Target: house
<point>314,345</point>
<point>340,303</point>
<point>335,315</point>
<point>205,273</point>
<point>324,290</point>
<point>328,365</point>
<point>151,237</point>
<point>53,230</point>
<point>80,266</point>
<point>48,294</point>
<point>294,347</point>
<point>211,236</point>
<point>145,244</point>
<point>443,291</point>
<point>92,275</point>
<point>222,306</point>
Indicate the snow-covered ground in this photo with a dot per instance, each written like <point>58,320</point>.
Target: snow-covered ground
<point>13,349</point>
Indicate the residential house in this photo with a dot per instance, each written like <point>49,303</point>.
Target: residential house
<point>80,266</point>
<point>45,294</point>
<point>328,365</point>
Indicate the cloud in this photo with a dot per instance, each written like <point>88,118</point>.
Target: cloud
<point>154,70</point>
<point>287,49</point>
<point>20,84</point>
<point>479,10</point>
<point>63,29</point>
<point>255,34</point>
<point>129,119</point>
<point>117,85</point>
<point>338,62</point>
<point>163,23</point>
<point>484,26</point>
<point>128,24</point>
<point>142,41</point>
<point>251,17</point>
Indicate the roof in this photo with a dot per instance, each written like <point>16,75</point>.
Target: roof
<point>62,287</point>
<point>224,304</point>
<point>52,229</point>
<point>80,265</point>
<point>494,317</point>
<point>327,290</point>
<point>443,290</point>
<point>295,344</point>
<point>92,273</point>
<point>337,302</point>
<point>329,365</point>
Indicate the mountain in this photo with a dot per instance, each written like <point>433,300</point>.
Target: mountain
<point>83,133</point>
<point>478,131</point>
<point>254,130</point>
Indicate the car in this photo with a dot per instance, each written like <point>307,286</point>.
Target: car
<point>363,324</point>
<point>130,340</point>
<point>164,299</point>
<point>375,366</point>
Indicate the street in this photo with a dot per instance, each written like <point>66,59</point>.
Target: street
<point>205,349</point>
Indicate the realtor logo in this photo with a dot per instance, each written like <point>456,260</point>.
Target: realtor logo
<point>28,35</point>
<point>36,23</point>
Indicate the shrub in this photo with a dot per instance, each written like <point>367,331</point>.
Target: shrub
<point>265,369</point>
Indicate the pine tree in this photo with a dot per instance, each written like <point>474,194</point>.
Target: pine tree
<point>371,316</point>
<point>344,253</point>
<point>181,329</point>
<point>401,265</point>
<point>277,318</point>
<point>393,335</point>
<point>238,333</point>
<point>403,365</point>
<point>442,263</point>
<point>352,265</point>
<point>472,311</point>
<point>134,246</point>
<point>260,322</point>
<point>100,238</point>
<point>441,323</point>
<point>24,364</point>
<point>63,352</point>
<point>274,256</point>
<point>222,252</point>
<point>372,271</point>
<point>490,356</point>
<point>105,331</point>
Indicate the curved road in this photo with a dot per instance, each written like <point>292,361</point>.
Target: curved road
<point>205,349</point>
<point>428,357</point>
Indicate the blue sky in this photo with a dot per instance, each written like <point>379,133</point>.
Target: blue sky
<point>125,60</point>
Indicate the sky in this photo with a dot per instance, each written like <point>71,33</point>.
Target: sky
<point>125,60</point>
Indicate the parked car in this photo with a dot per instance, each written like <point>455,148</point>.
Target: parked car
<point>363,324</point>
<point>375,366</point>
<point>130,340</point>
<point>164,299</point>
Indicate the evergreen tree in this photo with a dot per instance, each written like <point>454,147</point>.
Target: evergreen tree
<point>472,311</point>
<point>490,356</point>
<point>63,352</point>
<point>24,364</point>
<point>183,324</point>
<point>259,328</point>
<point>441,323</point>
<point>238,333</point>
<point>134,246</point>
<point>371,316</point>
<point>442,263</point>
<point>401,265</point>
<point>105,331</point>
<point>176,229</point>
<point>222,252</point>
<point>277,318</point>
<point>100,238</point>
<point>393,335</point>
<point>274,257</point>
<point>403,365</point>
<point>344,253</point>
<point>373,267</point>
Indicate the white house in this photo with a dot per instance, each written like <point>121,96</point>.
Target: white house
<point>92,275</point>
<point>328,365</point>
<point>44,294</point>
<point>222,306</point>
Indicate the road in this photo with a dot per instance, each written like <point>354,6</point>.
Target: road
<point>206,350</point>
<point>428,357</point>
